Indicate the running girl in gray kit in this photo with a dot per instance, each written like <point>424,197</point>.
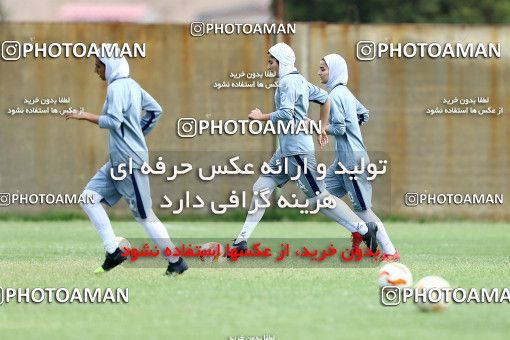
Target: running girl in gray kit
<point>121,117</point>
<point>346,116</point>
<point>292,99</point>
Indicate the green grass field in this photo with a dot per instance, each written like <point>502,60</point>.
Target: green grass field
<point>217,303</point>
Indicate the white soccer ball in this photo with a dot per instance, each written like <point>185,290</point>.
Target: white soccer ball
<point>124,244</point>
<point>425,285</point>
<point>394,274</point>
<point>216,249</point>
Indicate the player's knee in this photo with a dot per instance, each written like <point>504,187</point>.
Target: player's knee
<point>323,194</point>
<point>146,215</point>
<point>90,198</point>
<point>259,186</point>
<point>313,200</point>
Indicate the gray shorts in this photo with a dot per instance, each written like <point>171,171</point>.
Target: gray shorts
<point>359,190</point>
<point>134,188</point>
<point>307,182</point>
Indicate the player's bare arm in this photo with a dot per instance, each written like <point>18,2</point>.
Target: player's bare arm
<point>324,117</point>
<point>256,114</point>
<point>80,115</point>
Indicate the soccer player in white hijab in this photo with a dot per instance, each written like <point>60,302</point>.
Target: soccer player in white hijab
<point>347,114</point>
<point>292,99</point>
<point>121,117</point>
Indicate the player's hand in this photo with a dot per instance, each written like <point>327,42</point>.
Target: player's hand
<point>323,138</point>
<point>255,114</point>
<point>78,115</point>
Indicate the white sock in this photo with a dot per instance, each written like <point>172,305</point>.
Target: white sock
<point>100,220</point>
<point>382,236</point>
<point>341,214</point>
<point>158,233</point>
<point>267,185</point>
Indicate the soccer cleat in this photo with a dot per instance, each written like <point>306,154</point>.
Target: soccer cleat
<point>370,237</point>
<point>356,241</point>
<point>111,261</point>
<point>99,270</point>
<point>391,258</point>
<point>241,247</point>
<point>177,268</point>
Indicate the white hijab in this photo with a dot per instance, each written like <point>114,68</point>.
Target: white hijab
<point>115,68</point>
<point>338,73</point>
<point>286,58</point>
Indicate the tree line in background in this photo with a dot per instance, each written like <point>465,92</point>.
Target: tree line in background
<point>387,11</point>
<point>394,11</point>
<point>3,16</point>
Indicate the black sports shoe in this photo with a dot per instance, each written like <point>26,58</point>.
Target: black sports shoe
<point>111,261</point>
<point>241,247</point>
<point>370,237</point>
<point>178,267</point>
